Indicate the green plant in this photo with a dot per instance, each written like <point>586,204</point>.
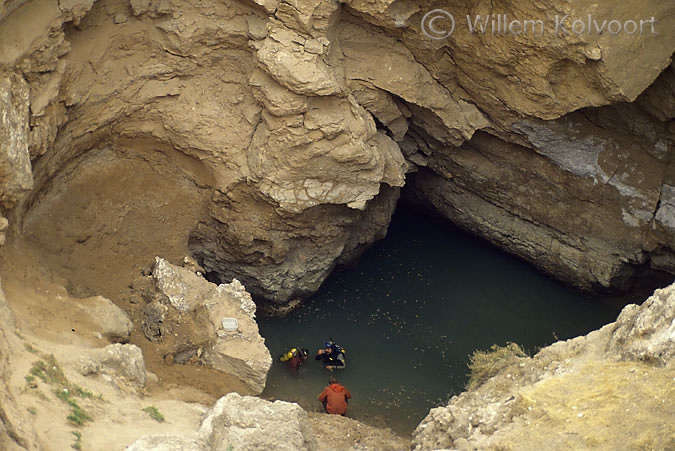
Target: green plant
<point>78,440</point>
<point>81,392</point>
<point>30,348</point>
<point>154,413</point>
<point>486,364</point>
<point>49,371</point>
<point>78,415</point>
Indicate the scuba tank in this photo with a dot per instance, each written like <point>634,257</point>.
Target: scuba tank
<point>294,352</point>
<point>288,355</point>
<point>337,349</point>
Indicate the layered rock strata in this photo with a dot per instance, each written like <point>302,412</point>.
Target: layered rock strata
<point>271,138</point>
<point>588,194</point>
<point>285,130</point>
<point>284,181</point>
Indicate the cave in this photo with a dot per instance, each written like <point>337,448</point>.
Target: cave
<point>272,143</point>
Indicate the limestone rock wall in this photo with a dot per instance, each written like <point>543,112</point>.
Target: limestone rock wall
<point>288,128</point>
<point>271,139</point>
<point>590,205</point>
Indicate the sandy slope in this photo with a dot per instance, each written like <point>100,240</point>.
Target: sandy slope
<point>47,324</point>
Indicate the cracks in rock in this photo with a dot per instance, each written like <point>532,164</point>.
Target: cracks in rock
<point>174,52</point>
<point>610,180</point>
<point>657,205</point>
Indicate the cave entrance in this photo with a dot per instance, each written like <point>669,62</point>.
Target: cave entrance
<point>419,302</point>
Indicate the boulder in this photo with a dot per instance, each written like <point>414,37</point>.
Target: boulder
<point>124,363</point>
<point>244,423</point>
<point>113,322</point>
<point>247,423</point>
<point>646,333</point>
<point>197,321</point>
<point>16,177</point>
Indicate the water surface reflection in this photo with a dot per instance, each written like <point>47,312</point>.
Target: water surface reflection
<point>409,315</point>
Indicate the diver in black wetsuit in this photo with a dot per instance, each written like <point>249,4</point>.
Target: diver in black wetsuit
<point>333,356</point>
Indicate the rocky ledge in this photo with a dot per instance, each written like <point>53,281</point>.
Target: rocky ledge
<point>610,389</point>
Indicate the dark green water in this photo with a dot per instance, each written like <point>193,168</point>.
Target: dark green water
<point>418,304</point>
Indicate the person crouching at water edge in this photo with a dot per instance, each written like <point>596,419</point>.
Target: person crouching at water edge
<point>295,357</point>
<point>335,397</point>
<point>333,356</point>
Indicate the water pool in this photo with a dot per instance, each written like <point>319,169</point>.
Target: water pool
<point>418,304</point>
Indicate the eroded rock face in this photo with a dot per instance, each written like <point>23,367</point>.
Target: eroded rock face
<point>270,139</point>
<point>580,388</point>
<point>282,262</point>
<point>16,177</point>
<point>290,127</point>
<point>193,321</point>
<point>646,332</point>
<point>184,90</point>
<point>590,205</point>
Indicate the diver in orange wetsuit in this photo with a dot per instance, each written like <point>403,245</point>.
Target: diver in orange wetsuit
<point>335,397</point>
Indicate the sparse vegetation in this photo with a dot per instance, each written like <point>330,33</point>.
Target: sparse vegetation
<point>485,364</point>
<point>30,348</point>
<point>154,413</point>
<point>78,441</point>
<point>78,415</point>
<point>49,371</point>
<point>81,392</point>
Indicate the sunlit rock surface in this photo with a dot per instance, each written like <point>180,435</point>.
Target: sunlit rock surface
<point>271,139</point>
<point>195,321</point>
<point>290,126</point>
<point>609,389</point>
